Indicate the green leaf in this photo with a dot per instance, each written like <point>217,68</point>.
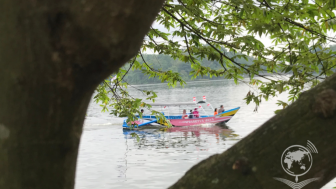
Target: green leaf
<point>277,111</point>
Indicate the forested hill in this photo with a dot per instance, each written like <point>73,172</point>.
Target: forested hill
<point>165,62</point>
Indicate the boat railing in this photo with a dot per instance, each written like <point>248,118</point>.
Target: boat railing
<point>176,114</point>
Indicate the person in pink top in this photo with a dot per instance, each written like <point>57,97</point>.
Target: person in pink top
<point>196,113</point>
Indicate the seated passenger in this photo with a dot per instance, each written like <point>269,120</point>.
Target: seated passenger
<point>221,109</point>
<point>215,112</point>
<point>196,114</point>
<point>184,115</point>
<point>191,115</point>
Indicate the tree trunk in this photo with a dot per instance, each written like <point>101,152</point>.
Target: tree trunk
<point>53,54</point>
<point>254,161</point>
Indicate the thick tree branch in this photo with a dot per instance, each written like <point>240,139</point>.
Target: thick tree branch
<point>53,54</point>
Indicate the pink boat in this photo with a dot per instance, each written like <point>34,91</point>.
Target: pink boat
<point>176,120</point>
<point>199,121</point>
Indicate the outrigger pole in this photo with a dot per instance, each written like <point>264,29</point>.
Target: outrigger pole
<point>204,101</point>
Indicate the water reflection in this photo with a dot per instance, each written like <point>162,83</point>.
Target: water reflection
<point>178,137</point>
<point>177,146</point>
<point>160,145</point>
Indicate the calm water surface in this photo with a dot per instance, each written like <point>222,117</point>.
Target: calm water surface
<point>110,158</point>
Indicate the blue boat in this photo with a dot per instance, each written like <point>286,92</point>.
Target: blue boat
<point>176,120</point>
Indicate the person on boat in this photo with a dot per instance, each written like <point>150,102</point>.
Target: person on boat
<point>142,111</point>
<point>221,109</point>
<point>215,112</point>
<point>184,115</point>
<point>196,113</point>
<point>191,115</point>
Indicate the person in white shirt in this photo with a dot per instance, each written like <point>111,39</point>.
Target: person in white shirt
<point>221,109</point>
<point>184,115</point>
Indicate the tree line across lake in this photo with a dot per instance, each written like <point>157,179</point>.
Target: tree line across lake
<point>166,62</point>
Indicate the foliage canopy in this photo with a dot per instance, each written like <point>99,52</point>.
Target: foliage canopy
<point>298,58</point>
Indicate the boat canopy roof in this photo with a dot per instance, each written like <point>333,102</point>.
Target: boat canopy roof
<point>172,104</point>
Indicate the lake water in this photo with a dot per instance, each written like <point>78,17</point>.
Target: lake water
<point>110,158</point>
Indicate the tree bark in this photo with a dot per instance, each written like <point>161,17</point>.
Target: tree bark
<point>255,160</point>
<point>53,54</point>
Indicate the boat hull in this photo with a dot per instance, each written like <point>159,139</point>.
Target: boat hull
<point>199,121</point>
<point>178,121</point>
<point>231,112</point>
<point>220,118</point>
